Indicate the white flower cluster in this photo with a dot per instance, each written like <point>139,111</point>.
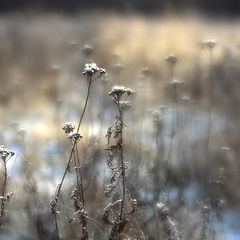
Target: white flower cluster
<point>175,82</point>
<point>74,136</point>
<point>118,91</point>
<point>91,70</point>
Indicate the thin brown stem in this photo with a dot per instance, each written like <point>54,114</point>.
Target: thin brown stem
<point>122,160</point>
<point>69,160</point>
<point>3,202</point>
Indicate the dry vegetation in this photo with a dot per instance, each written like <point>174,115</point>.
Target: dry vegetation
<point>162,166</point>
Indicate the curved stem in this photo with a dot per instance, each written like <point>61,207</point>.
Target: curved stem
<point>74,144</point>
<point>69,160</point>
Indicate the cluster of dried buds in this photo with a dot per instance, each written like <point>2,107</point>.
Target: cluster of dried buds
<point>92,72</point>
<point>68,128</point>
<point>118,91</point>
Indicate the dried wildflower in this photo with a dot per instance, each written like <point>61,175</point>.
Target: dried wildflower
<point>185,99</point>
<point>175,83</point>
<point>146,72</point>
<point>225,148</point>
<point>87,50</point>
<point>5,153</point>
<point>118,91</point>
<point>208,43</point>
<point>171,59</point>
<point>68,127</point>
<point>91,70</point>
<point>118,166</point>
<point>74,136</point>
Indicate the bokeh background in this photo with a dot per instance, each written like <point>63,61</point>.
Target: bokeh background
<point>175,154</point>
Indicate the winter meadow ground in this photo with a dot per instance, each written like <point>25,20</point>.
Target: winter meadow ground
<point>155,149</point>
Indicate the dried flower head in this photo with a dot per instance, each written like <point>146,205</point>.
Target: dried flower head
<point>74,136</point>
<point>91,70</point>
<point>225,148</point>
<point>185,99</point>
<point>118,91</point>
<point>5,153</point>
<point>146,72</point>
<point>171,59</point>
<point>87,50</point>
<point>210,44</point>
<point>175,83</point>
<point>68,127</point>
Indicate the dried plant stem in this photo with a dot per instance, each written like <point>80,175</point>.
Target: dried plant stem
<point>173,132</point>
<point>169,227</point>
<point>210,105</point>
<point>56,226</point>
<point>122,160</point>
<point>3,202</point>
<point>78,174</point>
<point>145,86</point>
<point>80,177</point>
<point>75,143</point>
<point>209,126</point>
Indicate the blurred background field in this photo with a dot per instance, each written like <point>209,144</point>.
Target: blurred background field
<point>174,155</point>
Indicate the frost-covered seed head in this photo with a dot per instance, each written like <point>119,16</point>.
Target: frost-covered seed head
<point>87,49</point>
<point>175,82</point>
<point>185,99</point>
<point>210,44</point>
<point>118,91</point>
<point>91,70</point>
<point>171,59</point>
<point>74,136</point>
<point>68,127</point>
<point>146,72</point>
<point>225,148</point>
